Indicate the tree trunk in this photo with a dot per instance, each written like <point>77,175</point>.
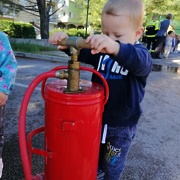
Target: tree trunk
<point>44,19</point>
<point>44,25</point>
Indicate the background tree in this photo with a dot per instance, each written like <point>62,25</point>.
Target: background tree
<point>152,7</point>
<point>162,8</point>
<point>42,9</point>
<point>94,15</point>
<point>39,8</point>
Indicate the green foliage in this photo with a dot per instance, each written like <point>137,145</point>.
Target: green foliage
<point>23,30</point>
<point>162,7</point>
<point>152,7</point>
<point>31,48</point>
<point>94,16</point>
<point>71,32</point>
<point>5,26</point>
<point>17,29</point>
<point>95,10</point>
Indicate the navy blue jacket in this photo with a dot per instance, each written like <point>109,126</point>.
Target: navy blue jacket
<point>163,28</point>
<point>126,75</point>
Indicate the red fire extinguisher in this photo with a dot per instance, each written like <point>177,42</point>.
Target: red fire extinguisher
<point>72,125</point>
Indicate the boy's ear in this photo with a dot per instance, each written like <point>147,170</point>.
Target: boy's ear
<point>139,32</point>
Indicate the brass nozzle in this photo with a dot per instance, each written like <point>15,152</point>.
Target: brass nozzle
<point>62,74</point>
<point>73,74</point>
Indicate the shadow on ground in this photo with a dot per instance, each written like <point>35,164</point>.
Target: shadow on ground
<point>12,169</point>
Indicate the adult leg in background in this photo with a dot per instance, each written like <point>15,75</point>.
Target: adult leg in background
<point>149,43</point>
<point>159,45</point>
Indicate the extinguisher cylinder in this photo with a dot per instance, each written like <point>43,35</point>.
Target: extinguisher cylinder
<point>72,130</point>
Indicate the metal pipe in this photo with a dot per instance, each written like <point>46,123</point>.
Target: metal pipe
<point>74,41</point>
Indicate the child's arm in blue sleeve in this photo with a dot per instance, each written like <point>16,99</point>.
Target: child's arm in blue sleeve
<point>8,65</point>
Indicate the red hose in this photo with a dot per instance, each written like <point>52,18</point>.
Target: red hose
<point>22,122</point>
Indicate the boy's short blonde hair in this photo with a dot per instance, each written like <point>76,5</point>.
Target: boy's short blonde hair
<point>133,8</point>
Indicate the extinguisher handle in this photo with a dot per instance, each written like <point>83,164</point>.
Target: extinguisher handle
<point>74,41</point>
<point>103,80</point>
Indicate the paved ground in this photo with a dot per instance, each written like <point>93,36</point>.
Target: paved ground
<point>155,152</point>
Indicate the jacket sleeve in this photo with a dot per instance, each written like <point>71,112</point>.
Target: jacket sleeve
<point>135,58</point>
<point>8,65</point>
<point>88,58</point>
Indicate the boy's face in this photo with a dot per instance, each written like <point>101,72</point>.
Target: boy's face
<point>172,34</point>
<point>120,28</point>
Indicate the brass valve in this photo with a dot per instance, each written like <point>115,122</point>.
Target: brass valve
<point>73,73</point>
<point>74,41</point>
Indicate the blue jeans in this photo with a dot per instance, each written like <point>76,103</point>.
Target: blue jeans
<point>113,154</point>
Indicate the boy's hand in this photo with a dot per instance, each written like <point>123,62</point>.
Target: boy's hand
<point>102,43</point>
<point>3,99</point>
<point>58,36</point>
